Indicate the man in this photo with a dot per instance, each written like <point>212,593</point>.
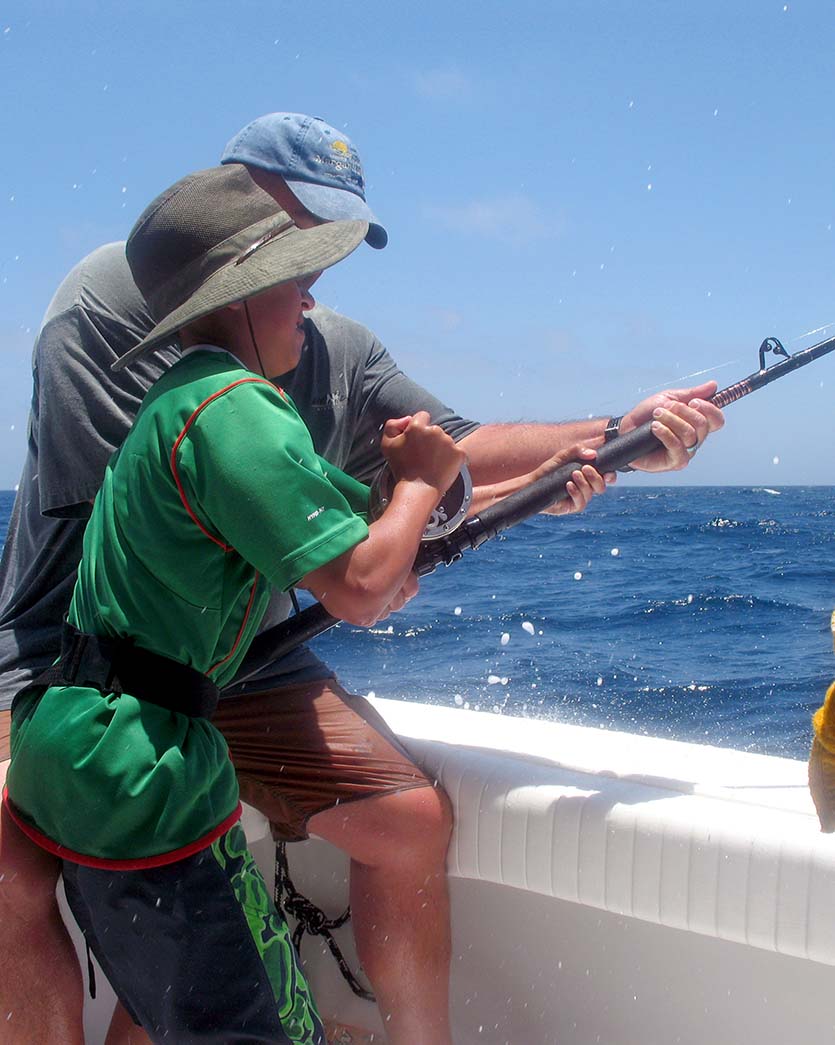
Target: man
<point>392,821</point>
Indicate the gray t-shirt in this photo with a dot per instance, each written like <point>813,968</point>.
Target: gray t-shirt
<point>345,387</point>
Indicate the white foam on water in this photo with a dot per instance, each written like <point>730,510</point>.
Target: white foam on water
<point>615,551</point>
<point>528,627</point>
<point>578,576</point>
<point>505,638</point>
<point>457,611</point>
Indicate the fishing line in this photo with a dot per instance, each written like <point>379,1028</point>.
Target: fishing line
<point>731,362</point>
<point>809,333</point>
<point>686,377</point>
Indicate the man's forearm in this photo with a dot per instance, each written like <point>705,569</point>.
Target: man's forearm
<point>503,451</point>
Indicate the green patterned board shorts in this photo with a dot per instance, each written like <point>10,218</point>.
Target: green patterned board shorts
<point>196,950</point>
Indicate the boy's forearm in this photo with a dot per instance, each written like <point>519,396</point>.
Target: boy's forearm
<point>360,585</point>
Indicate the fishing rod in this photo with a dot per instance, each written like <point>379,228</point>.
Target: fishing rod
<point>453,533</point>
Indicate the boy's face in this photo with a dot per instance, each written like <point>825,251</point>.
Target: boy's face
<point>277,318</point>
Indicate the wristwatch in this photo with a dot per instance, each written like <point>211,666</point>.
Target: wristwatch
<point>612,431</point>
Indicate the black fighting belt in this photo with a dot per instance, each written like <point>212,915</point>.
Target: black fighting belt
<point>114,665</point>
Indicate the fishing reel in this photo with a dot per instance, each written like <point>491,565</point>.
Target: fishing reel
<point>448,516</point>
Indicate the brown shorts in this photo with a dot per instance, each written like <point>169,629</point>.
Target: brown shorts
<point>302,749</point>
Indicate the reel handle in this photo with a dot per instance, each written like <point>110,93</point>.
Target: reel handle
<point>447,517</point>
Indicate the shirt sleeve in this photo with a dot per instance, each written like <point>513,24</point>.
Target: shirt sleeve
<point>255,477</point>
<point>388,392</point>
<point>347,386</point>
<point>81,412</point>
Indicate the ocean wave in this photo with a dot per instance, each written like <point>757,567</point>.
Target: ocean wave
<point>732,600</point>
<point>720,524</point>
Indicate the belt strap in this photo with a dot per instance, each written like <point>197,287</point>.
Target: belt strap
<point>114,665</point>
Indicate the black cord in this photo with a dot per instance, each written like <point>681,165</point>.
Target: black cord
<point>254,342</point>
<point>312,919</point>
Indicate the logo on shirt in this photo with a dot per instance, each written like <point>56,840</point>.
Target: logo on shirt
<point>331,399</point>
<point>313,515</point>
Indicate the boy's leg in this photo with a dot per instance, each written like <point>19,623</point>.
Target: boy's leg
<point>41,990</point>
<point>314,757</point>
<point>195,950</point>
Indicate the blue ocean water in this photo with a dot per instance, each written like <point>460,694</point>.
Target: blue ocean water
<point>710,623</point>
<point>696,613</point>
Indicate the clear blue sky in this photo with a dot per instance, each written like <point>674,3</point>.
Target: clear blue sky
<point>585,200</point>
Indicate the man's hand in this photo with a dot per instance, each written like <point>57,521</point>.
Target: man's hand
<point>681,419</point>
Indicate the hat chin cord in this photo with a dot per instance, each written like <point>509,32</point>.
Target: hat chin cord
<point>252,338</point>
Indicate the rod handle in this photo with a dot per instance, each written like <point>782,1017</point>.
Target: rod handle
<point>551,488</point>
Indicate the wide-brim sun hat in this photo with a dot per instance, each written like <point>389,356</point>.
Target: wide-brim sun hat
<point>319,163</point>
<point>214,238</point>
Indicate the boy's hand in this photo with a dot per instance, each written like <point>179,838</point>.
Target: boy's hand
<point>584,484</point>
<point>419,451</point>
<point>410,588</point>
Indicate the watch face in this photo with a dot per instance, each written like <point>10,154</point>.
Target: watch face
<point>612,430</point>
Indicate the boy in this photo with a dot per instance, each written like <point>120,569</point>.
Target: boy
<point>215,495</point>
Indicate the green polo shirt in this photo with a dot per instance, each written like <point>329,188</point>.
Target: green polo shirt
<point>215,496</point>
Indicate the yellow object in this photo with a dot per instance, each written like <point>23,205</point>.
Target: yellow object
<point>822,757</point>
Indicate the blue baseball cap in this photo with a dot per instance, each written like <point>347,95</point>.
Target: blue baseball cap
<point>320,165</point>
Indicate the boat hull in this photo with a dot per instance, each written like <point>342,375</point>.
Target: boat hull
<point>606,888</point>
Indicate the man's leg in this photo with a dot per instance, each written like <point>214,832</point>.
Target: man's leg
<point>400,905</point>
<point>124,1030</point>
<point>41,989</point>
<point>312,757</point>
